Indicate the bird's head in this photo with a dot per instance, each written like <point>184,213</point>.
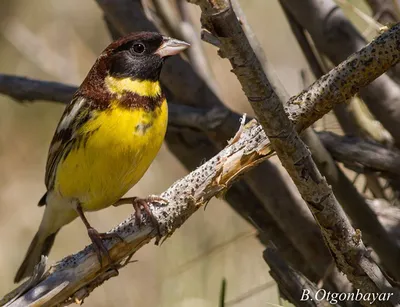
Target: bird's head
<point>140,55</point>
<point>128,61</point>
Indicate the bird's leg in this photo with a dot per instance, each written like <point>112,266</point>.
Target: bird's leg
<point>142,204</point>
<point>97,238</point>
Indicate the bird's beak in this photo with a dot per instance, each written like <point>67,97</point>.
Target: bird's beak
<point>171,46</point>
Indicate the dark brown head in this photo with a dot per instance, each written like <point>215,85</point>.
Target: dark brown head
<point>137,56</point>
<point>140,55</point>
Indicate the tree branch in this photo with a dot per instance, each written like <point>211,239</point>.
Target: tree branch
<point>387,12</point>
<point>336,37</point>
<point>25,89</point>
<point>362,155</point>
<point>355,205</point>
<point>219,18</point>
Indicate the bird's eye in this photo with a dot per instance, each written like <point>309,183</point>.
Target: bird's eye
<point>139,48</point>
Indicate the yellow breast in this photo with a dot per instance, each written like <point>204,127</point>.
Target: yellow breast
<point>122,144</point>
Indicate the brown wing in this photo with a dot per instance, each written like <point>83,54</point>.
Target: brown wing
<point>74,116</point>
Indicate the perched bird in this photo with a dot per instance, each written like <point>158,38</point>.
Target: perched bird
<point>106,139</point>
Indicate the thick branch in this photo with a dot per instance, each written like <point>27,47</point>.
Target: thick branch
<point>25,89</point>
<point>218,17</point>
<point>362,155</point>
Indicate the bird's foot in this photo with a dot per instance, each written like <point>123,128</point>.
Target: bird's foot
<point>99,247</point>
<point>142,204</point>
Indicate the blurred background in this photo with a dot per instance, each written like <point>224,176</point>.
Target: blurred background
<point>59,40</point>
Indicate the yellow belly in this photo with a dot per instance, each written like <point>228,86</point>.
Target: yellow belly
<point>122,145</point>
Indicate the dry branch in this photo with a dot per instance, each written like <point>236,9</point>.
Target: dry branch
<point>362,155</point>
<point>333,88</point>
<point>336,37</point>
<point>25,89</point>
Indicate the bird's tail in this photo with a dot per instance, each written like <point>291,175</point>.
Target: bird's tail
<point>40,245</point>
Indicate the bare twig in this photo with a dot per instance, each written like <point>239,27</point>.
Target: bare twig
<point>25,89</point>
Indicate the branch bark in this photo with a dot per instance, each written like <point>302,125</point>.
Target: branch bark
<point>336,37</point>
<point>387,12</point>
<point>25,89</point>
<point>362,155</point>
<point>80,271</point>
<point>356,206</point>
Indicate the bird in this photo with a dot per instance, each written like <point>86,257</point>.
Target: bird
<point>106,139</point>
